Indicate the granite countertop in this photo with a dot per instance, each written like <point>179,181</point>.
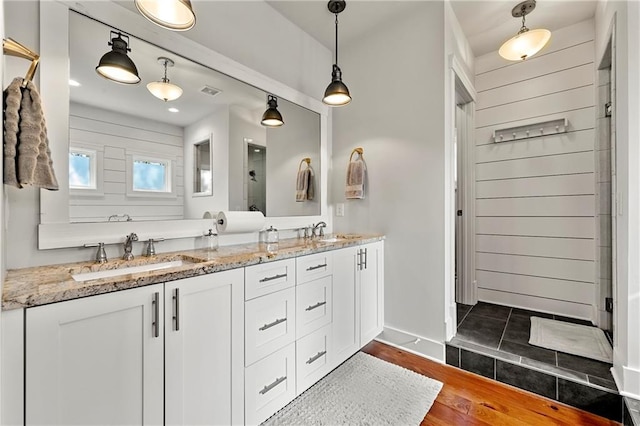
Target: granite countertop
<point>41,285</point>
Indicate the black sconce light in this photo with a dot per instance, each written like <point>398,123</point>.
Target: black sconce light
<point>272,117</point>
<point>116,65</point>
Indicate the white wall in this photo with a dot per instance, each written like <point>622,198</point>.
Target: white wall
<point>626,17</point>
<point>287,145</point>
<point>235,29</point>
<point>215,126</point>
<point>118,136</point>
<point>402,132</point>
<point>535,198</point>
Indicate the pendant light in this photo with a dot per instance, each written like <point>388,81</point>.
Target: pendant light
<point>527,42</point>
<point>164,89</point>
<point>116,65</point>
<point>176,15</point>
<point>272,117</point>
<point>337,93</point>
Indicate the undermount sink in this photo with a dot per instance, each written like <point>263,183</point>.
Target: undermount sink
<point>86,276</point>
<point>329,240</point>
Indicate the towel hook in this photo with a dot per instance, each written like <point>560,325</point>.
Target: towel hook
<point>13,48</point>
<point>358,150</point>
<point>305,160</point>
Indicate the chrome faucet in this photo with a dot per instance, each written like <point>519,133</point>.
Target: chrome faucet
<point>320,225</point>
<point>128,245</point>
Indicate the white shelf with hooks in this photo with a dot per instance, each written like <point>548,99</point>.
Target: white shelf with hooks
<point>533,130</point>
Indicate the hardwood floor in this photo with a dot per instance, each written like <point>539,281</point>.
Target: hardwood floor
<point>469,399</point>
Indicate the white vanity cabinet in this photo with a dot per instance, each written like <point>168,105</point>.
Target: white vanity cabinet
<point>96,360</point>
<point>358,298</point>
<point>139,356</point>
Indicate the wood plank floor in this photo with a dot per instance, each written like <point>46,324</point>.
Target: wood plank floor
<point>469,399</point>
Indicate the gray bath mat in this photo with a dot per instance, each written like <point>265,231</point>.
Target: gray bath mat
<point>363,391</point>
<point>582,340</point>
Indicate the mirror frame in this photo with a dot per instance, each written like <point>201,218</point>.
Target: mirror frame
<point>55,230</point>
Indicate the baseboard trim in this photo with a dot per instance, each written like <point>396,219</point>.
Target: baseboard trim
<point>417,345</point>
<point>629,383</point>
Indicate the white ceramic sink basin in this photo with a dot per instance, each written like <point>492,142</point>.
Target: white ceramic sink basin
<point>86,276</point>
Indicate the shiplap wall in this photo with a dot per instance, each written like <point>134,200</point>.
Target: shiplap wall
<point>120,135</point>
<point>536,198</point>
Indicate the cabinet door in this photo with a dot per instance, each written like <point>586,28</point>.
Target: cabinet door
<point>371,275</point>
<point>204,349</point>
<point>346,313</point>
<point>96,360</point>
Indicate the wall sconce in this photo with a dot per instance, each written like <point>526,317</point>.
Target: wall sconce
<point>337,93</point>
<point>272,117</point>
<point>116,65</point>
<point>164,89</point>
<point>527,42</point>
<point>176,15</point>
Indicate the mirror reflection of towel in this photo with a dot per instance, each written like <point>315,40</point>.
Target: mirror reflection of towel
<point>356,171</point>
<point>27,158</point>
<point>305,188</point>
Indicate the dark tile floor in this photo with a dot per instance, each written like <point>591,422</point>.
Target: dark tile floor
<point>504,332</point>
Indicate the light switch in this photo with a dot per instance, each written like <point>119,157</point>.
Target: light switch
<point>340,209</point>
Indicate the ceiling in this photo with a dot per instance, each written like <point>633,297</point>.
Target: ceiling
<point>487,24</point>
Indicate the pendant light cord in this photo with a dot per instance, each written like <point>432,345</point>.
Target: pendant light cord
<point>336,39</point>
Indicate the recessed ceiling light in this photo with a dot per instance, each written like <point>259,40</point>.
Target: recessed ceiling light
<point>256,150</point>
<point>74,83</point>
<point>248,140</point>
<point>172,109</point>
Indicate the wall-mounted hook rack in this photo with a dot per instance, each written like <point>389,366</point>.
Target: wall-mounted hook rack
<point>533,130</point>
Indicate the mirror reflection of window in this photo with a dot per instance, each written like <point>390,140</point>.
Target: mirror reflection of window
<point>82,169</point>
<point>202,162</point>
<point>151,175</point>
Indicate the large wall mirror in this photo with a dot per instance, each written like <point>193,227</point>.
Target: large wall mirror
<point>133,157</point>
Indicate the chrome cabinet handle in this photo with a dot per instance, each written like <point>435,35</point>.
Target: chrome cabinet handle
<point>275,277</point>
<point>273,385</point>
<point>317,305</point>
<point>313,268</point>
<point>365,258</point>
<point>156,314</point>
<point>316,357</point>
<point>272,324</point>
<point>359,264</point>
<point>176,301</point>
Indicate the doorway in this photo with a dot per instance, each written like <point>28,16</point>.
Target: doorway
<point>256,178</point>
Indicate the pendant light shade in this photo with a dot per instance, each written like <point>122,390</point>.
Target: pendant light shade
<point>272,117</point>
<point>337,93</point>
<point>527,42</point>
<point>116,65</point>
<point>164,89</point>
<point>176,15</point>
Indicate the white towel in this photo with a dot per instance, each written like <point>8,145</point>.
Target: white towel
<point>27,156</point>
<point>356,171</point>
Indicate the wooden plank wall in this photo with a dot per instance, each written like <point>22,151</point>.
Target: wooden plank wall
<point>119,135</point>
<point>536,198</point>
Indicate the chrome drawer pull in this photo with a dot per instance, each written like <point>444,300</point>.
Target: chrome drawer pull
<point>317,305</point>
<point>155,324</point>
<point>316,357</point>
<point>273,385</point>
<point>272,324</point>
<point>313,268</point>
<point>275,277</point>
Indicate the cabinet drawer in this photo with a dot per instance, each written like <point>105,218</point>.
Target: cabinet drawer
<point>314,266</point>
<point>270,384</point>
<point>270,324</point>
<point>313,306</point>
<point>269,277</point>
<point>313,355</point>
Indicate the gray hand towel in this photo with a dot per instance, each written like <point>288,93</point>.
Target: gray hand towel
<point>355,179</point>
<point>26,139</point>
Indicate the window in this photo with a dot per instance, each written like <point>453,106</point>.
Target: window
<point>151,175</point>
<point>82,169</point>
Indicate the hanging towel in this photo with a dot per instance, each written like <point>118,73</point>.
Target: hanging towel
<point>27,153</point>
<point>356,171</point>
<point>305,185</point>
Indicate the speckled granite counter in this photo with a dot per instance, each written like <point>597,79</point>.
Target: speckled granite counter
<point>41,285</point>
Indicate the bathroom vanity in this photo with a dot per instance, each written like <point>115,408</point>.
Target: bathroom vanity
<point>224,337</point>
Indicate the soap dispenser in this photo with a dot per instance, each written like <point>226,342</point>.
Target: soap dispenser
<point>211,240</point>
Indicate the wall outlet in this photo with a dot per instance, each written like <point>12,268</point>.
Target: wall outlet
<point>340,209</point>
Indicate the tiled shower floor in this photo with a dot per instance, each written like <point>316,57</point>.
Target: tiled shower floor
<point>503,332</point>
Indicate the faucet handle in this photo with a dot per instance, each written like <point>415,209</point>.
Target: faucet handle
<point>101,255</point>
<point>151,248</point>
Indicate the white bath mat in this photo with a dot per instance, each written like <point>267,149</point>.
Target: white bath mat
<point>363,391</point>
<point>576,339</point>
